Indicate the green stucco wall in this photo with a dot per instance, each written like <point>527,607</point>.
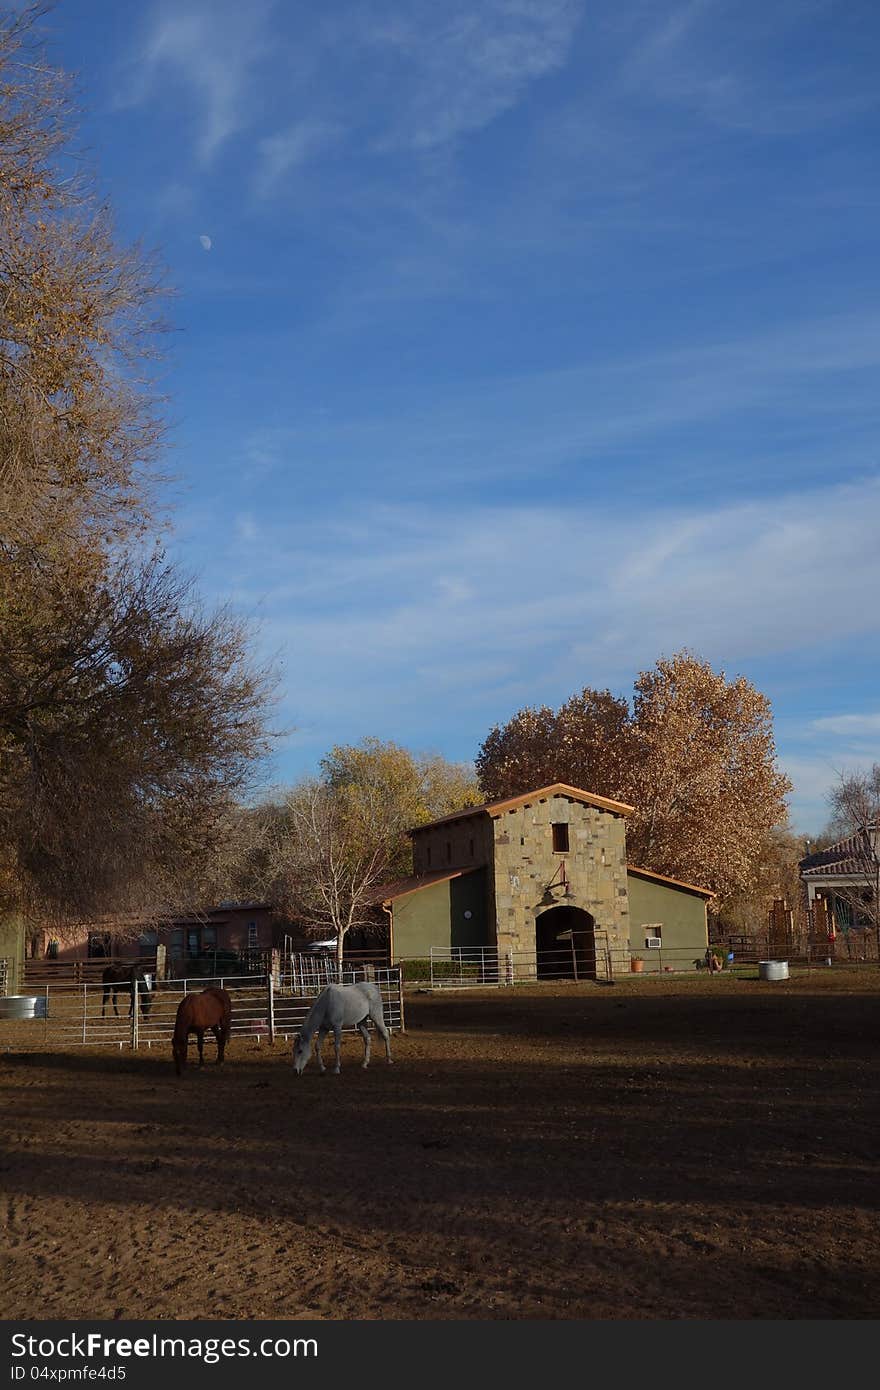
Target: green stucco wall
<point>12,948</point>
<point>435,916</point>
<point>682,915</point>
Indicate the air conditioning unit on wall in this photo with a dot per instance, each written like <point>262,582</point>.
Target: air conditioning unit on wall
<point>653,943</point>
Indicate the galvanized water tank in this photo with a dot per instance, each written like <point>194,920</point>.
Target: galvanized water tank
<point>772,969</point>
<point>20,1006</point>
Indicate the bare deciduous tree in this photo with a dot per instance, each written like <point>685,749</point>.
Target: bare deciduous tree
<point>329,852</point>
<point>855,817</point>
<point>129,718</point>
<point>322,850</point>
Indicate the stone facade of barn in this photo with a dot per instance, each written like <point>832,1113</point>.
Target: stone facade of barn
<point>544,876</point>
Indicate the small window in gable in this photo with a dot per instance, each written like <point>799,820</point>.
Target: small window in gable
<point>560,838</point>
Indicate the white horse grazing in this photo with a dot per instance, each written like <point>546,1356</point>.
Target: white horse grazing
<point>338,1007</point>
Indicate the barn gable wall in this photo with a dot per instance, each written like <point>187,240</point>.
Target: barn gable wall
<point>526,866</point>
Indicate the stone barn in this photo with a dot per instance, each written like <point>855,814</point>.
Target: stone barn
<point>543,875</point>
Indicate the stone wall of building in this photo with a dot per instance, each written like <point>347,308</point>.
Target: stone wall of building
<point>464,843</point>
<point>526,866</point>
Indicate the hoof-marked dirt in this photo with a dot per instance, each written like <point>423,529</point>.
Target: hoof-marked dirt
<point>682,1148</point>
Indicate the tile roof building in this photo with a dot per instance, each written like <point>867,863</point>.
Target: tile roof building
<point>542,878</point>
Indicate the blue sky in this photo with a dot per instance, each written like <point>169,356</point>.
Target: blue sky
<point>520,342</point>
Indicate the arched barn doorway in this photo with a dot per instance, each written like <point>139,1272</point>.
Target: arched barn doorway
<point>565,944</point>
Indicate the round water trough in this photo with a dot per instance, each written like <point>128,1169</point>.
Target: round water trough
<point>772,969</point>
<point>19,1006</point>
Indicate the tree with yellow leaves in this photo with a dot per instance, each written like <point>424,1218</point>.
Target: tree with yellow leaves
<point>322,849</point>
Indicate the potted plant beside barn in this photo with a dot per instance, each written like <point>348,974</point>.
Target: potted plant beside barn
<point>636,964</point>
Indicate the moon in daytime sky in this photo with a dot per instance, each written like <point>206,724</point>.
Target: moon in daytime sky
<point>206,242</point>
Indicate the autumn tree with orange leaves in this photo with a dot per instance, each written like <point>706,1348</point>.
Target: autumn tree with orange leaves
<point>694,754</point>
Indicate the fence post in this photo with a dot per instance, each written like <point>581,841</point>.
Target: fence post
<point>85,1009</point>
<point>271,985</point>
<point>135,1002</point>
<point>431,964</point>
<point>400,997</point>
<point>508,967</point>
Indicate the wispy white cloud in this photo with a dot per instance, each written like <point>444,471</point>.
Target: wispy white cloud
<point>211,49</point>
<point>813,778</point>
<point>717,58</point>
<point>511,426</point>
<point>459,65</point>
<point>849,726</point>
<point>288,149</point>
<point>472,612</point>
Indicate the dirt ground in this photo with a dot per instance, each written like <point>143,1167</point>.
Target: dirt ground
<point>702,1147</point>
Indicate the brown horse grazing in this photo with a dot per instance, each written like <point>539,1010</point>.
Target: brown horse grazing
<point>197,1013</point>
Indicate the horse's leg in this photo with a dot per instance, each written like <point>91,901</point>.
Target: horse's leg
<point>319,1043</point>
<point>364,1031</point>
<point>378,1018</point>
<point>337,1042</point>
<point>200,1038</point>
<point>105,995</point>
<point>220,1036</point>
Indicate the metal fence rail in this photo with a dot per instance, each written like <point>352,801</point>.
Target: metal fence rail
<point>263,1007</point>
<point>590,958</point>
<point>477,967</point>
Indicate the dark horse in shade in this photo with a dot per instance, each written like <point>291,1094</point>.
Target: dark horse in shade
<point>209,1010</point>
<point>121,979</point>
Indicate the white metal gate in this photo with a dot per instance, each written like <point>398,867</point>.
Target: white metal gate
<point>263,1007</point>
